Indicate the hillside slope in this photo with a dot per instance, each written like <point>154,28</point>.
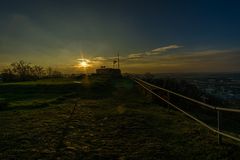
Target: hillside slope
<point>116,122</point>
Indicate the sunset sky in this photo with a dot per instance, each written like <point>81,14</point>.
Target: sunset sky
<point>150,36</point>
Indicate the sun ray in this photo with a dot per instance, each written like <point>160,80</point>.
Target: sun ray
<point>83,63</point>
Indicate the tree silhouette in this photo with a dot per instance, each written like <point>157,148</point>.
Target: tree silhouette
<point>23,71</point>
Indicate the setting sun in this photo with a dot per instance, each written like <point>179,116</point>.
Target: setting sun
<point>83,63</point>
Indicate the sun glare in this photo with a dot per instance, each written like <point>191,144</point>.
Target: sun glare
<point>83,63</point>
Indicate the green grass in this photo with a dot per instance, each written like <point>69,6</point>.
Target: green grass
<point>52,81</point>
<point>37,93</point>
<point>111,120</point>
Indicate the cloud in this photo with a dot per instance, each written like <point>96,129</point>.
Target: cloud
<point>179,61</point>
<point>163,49</point>
<point>135,55</point>
<point>203,56</point>
<point>99,59</point>
<point>153,52</point>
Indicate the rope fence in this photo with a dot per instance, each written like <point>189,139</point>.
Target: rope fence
<point>207,115</point>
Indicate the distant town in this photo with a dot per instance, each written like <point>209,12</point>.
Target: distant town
<point>225,86</point>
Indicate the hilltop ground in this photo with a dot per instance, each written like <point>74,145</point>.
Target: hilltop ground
<point>98,119</point>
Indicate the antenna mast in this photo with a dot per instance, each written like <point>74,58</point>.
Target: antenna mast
<point>118,61</point>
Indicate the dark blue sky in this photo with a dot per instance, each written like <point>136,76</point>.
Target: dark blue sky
<point>39,30</point>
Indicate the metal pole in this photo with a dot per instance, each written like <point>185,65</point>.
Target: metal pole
<point>118,61</point>
<point>168,98</point>
<point>219,127</point>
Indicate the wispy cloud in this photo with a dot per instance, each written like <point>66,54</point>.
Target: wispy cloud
<point>99,59</point>
<point>191,61</point>
<point>135,55</point>
<point>161,60</point>
<point>140,57</point>
<point>153,52</point>
<point>162,49</point>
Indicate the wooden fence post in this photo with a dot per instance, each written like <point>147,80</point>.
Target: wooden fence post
<point>219,127</point>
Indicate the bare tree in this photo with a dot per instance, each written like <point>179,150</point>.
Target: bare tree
<point>8,76</point>
<point>21,69</point>
<point>49,72</point>
<point>37,71</point>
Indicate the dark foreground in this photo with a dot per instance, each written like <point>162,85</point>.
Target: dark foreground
<point>100,121</point>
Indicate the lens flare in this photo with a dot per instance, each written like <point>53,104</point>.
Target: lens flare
<point>83,63</point>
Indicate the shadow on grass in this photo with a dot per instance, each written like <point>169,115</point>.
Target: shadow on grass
<point>64,132</point>
<point>36,105</point>
<point>25,107</point>
<point>26,97</point>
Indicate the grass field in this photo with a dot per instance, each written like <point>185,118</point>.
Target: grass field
<point>99,118</point>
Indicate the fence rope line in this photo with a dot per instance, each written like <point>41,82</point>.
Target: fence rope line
<point>190,99</point>
<point>187,114</point>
